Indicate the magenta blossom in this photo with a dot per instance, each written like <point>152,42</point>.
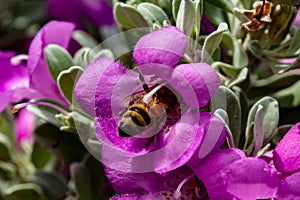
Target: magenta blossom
<point>14,81</point>
<point>174,143</point>
<point>99,12</point>
<point>54,32</point>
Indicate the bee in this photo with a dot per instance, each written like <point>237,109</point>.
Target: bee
<point>149,110</point>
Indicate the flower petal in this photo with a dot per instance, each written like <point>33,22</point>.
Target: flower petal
<point>150,182</point>
<point>24,126</point>
<point>289,188</point>
<point>12,76</point>
<point>287,152</point>
<point>195,82</point>
<point>211,171</point>
<point>85,88</point>
<point>252,178</point>
<point>163,46</point>
<point>54,32</point>
<point>202,78</point>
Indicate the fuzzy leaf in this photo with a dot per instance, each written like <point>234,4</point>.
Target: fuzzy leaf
<point>226,100</point>
<point>289,97</point>
<point>129,17</point>
<point>226,5</point>
<point>24,191</point>
<point>186,17</point>
<point>153,14</point>
<point>212,42</point>
<point>270,118</point>
<point>66,81</point>
<point>175,8</point>
<point>58,59</point>
<point>84,39</point>
<point>81,178</point>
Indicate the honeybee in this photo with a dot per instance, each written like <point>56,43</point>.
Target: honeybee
<point>149,110</point>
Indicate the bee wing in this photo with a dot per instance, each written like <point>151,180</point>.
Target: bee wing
<point>129,100</point>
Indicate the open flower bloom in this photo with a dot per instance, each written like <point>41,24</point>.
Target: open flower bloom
<point>173,132</point>
<point>99,12</point>
<point>54,32</point>
<point>14,81</point>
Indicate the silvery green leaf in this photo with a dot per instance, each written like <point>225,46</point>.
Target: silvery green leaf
<point>84,39</point>
<point>83,57</point>
<point>270,119</point>
<point>58,59</point>
<point>239,93</point>
<point>289,97</point>
<point>242,76</point>
<point>128,16</point>
<point>212,42</point>
<point>153,14</point>
<point>199,11</point>
<point>46,113</point>
<point>7,171</point>
<point>53,186</point>
<point>81,177</point>
<point>66,81</point>
<point>273,83</point>
<point>66,146</point>
<point>226,100</point>
<point>24,191</point>
<point>258,129</point>
<point>225,5</point>
<point>222,115</point>
<point>186,17</point>
<point>256,49</point>
<point>240,57</point>
<point>40,157</point>
<point>294,44</point>
<point>228,69</point>
<point>103,53</point>
<point>175,8</point>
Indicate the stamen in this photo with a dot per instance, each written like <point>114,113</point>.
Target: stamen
<point>16,108</point>
<point>18,59</point>
<point>177,193</point>
<point>147,98</point>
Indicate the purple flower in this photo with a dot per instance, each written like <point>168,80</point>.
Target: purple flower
<point>24,125</point>
<point>54,32</point>
<point>163,146</point>
<point>287,152</point>
<point>14,81</point>
<point>99,12</point>
<point>227,173</point>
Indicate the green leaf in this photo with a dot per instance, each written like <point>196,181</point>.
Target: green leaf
<point>66,81</point>
<point>5,147</point>
<point>198,12</point>
<point>58,59</point>
<point>226,100</point>
<point>270,117</point>
<point>46,112</point>
<point>280,133</point>
<point>81,177</point>
<point>294,44</point>
<point>240,78</point>
<point>66,146</point>
<point>258,129</point>
<point>240,57</point>
<point>40,156</point>
<point>289,97</point>
<point>84,39</point>
<point>153,14</point>
<point>128,16</point>
<point>186,16</point>
<point>24,191</point>
<point>53,186</point>
<point>175,8</point>
<point>225,5</point>
<point>83,57</point>
<point>212,42</point>
<point>256,49</point>
<point>8,171</point>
